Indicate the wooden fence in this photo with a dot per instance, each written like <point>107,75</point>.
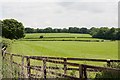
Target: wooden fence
<point>65,62</point>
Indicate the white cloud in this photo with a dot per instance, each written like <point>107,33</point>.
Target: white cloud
<point>59,0</point>
<point>62,14</point>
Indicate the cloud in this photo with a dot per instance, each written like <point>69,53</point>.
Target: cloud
<point>0,11</point>
<point>89,6</point>
<point>59,0</point>
<point>62,14</point>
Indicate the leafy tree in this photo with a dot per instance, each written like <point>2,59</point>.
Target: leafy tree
<point>48,30</point>
<point>84,31</point>
<point>73,30</point>
<point>55,30</point>
<point>29,30</point>
<point>93,31</point>
<point>101,33</point>
<point>111,34</point>
<point>118,34</point>
<point>105,33</point>
<point>12,29</point>
<point>64,30</point>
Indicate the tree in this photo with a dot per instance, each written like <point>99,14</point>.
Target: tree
<point>29,30</point>
<point>93,31</point>
<point>105,33</point>
<point>48,30</point>
<point>12,29</point>
<point>118,34</point>
<point>111,34</point>
<point>84,31</point>
<point>73,30</point>
<point>101,33</point>
<point>64,30</point>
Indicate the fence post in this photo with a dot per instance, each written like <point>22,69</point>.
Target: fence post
<point>22,72</point>
<point>85,72</point>
<point>44,68</point>
<point>81,72</point>
<point>3,54</point>
<point>108,62</point>
<point>11,62</point>
<point>28,67</point>
<point>65,66</point>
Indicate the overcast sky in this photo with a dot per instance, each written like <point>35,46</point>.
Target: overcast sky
<point>59,13</point>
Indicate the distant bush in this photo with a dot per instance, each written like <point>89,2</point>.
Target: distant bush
<point>109,75</point>
<point>41,36</point>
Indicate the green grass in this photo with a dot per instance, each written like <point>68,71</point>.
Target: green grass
<point>58,36</point>
<point>102,50</point>
<point>95,50</point>
<point>78,49</point>
<point>37,35</point>
<point>65,48</point>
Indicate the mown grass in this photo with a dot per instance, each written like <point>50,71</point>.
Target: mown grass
<point>37,35</point>
<point>102,50</point>
<point>59,37</point>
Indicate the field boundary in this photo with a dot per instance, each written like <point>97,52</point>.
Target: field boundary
<point>81,68</point>
<point>61,40</point>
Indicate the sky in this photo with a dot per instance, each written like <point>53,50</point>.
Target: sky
<point>61,13</point>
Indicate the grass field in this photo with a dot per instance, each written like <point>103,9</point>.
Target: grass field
<point>78,49</point>
<point>95,50</point>
<point>106,50</point>
<point>59,37</point>
<point>37,35</point>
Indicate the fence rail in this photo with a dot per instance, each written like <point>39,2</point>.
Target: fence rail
<point>26,67</point>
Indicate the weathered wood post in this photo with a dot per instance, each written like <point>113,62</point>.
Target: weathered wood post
<point>3,54</point>
<point>3,51</point>
<point>44,68</point>
<point>65,66</point>
<point>28,67</point>
<point>108,62</point>
<point>22,67</point>
<point>85,72</point>
<point>81,72</point>
<point>11,62</point>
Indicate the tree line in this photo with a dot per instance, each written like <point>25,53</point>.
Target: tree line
<point>105,33</point>
<point>13,29</point>
<point>102,33</point>
<point>56,30</point>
